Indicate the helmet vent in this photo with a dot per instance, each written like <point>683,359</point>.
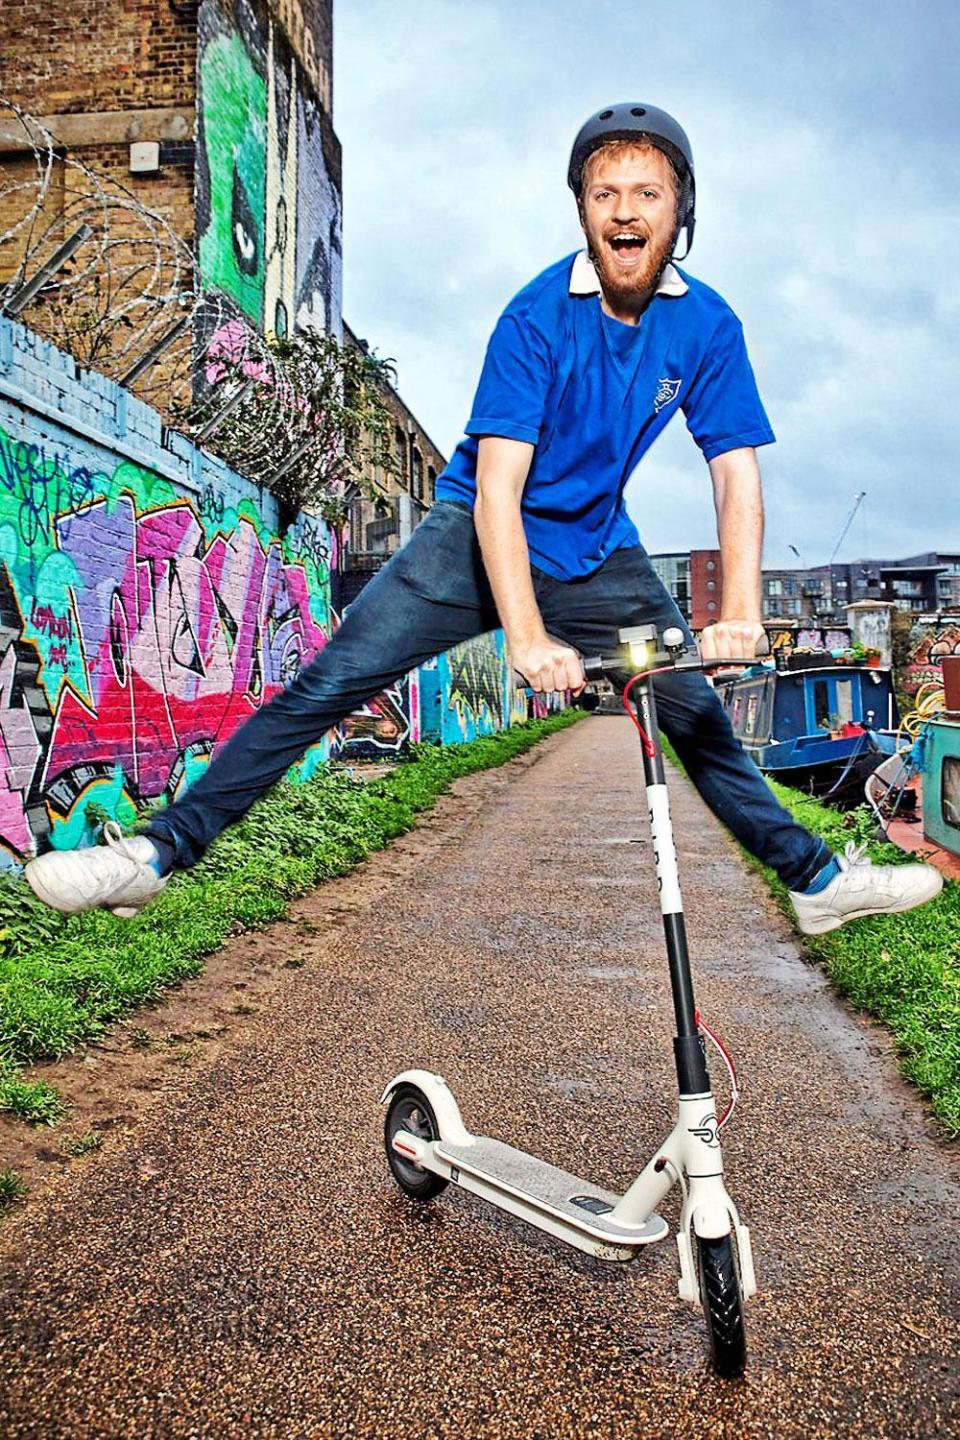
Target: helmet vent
<point>605,115</point>
<point>638,110</point>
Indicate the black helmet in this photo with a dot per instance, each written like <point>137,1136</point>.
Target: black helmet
<point>640,123</point>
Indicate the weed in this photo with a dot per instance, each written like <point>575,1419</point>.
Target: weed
<point>81,1144</point>
<point>12,1188</point>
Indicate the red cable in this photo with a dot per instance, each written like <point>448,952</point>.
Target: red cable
<point>649,749</point>
<point>702,1024</point>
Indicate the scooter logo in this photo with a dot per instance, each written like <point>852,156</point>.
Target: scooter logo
<point>667,391</point>
<point>708,1131</point>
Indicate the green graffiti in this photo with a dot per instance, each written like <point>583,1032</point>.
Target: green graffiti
<point>234,106</point>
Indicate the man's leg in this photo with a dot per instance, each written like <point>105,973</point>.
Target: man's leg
<point>825,890</point>
<point>626,590</point>
<point>431,595</point>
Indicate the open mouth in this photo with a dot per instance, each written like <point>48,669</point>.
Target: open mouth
<point>626,244</point>
<point>627,249</point>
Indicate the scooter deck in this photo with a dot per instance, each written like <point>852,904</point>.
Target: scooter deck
<point>542,1188</point>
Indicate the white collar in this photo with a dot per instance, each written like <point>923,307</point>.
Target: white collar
<point>584,279</point>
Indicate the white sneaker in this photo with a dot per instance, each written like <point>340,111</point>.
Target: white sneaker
<point>863,888</point>
<point>117,875</point>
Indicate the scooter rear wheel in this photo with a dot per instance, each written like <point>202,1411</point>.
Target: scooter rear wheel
<point>410,1110</point>
<point>722,1306</point>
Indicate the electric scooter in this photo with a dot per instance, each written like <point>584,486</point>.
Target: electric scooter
<point>428,1146</point>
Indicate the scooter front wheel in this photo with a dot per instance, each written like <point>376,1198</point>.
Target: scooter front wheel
<point>410,1110</point>
<point>722,1305</point>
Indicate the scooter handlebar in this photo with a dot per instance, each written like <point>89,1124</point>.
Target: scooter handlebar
<point>597,667</point>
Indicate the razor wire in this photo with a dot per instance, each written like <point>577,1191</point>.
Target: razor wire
<point>89,267</point>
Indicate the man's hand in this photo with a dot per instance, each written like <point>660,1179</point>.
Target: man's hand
<point>547,664</point>
<point>731,639</point>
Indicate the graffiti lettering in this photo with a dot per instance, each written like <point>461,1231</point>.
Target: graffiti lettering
<point>212,506</point>
<point>44,620</point>
<point>42,485</point>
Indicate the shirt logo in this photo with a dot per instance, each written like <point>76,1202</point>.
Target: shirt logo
<point>667,391</point>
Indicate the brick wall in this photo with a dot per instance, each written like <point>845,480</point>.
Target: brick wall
<point>77,56</point>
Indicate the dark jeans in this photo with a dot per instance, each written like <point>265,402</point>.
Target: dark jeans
<point>433,594</point>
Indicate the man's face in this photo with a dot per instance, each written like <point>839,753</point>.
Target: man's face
<point>628,210</point>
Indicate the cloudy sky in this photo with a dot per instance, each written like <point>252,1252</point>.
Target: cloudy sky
<point>826,142</point>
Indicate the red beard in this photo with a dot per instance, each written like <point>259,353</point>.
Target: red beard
<point>631,280</point>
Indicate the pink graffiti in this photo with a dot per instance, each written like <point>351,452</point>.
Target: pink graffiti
<point>183,638</point>
<point>229,348</point>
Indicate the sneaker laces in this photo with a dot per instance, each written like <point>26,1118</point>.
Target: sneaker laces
<point>854,854</point>
<point>117,841</point>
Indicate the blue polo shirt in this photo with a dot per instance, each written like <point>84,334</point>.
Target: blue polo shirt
<point>592,395</point>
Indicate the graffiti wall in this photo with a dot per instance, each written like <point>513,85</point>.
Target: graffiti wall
<point>268,203</point>
<point>148,606</point>
<point>930,641</point>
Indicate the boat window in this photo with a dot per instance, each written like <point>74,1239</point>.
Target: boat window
<point>753,702</point>
<point>950,792</point>
<point>845,699</point>
<point>821,703</point>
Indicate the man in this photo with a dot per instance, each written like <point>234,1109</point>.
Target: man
<point>584,369</point>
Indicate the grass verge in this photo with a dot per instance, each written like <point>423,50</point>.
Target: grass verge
<point>64,979</point>
<point>902,969</point>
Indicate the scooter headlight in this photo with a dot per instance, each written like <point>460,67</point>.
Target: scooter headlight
<point>641,652</point>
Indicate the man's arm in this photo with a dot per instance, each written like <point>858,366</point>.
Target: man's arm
<point>502,469</point>
<point>738,499</point>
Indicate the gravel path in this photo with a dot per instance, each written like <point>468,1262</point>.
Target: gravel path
<point>240,1264</point>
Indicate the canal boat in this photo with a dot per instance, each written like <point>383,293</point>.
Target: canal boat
<point>823,728</point>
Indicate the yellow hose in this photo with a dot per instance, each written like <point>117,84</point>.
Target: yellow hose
<point>928,702</point>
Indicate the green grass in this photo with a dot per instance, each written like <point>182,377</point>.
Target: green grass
<point>902,969</point>
<point>65,979</point>
<point>32,1100</point>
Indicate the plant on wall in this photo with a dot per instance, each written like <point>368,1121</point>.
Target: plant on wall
<point>308,419</point>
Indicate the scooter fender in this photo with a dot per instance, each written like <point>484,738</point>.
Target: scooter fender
<point>441,1099</point>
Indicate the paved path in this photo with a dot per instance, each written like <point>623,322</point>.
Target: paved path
<point>241,1266</point>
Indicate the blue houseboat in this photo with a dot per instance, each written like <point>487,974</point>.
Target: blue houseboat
<point>823,728</point>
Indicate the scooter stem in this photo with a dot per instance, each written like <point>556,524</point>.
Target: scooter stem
<point>689,1050</point>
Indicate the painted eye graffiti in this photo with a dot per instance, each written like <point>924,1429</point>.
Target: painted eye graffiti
<point>245,247</point>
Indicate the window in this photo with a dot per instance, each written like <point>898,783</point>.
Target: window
<point>821,703</point>
<point>417,489</point>
<point>845,699</point>
<point>711,565</point>
<point>774,587</point>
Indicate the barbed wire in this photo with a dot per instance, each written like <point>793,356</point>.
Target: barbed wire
<point>88,266</point>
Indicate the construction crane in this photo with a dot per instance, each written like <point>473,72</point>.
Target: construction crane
<point>857,499</point>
